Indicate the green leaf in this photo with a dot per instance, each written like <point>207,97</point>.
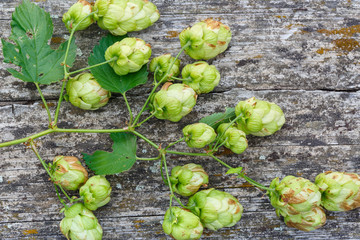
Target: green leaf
<point>31,30</point>
<point>234,170</point>
<point>105,74</point>
<point>121,159</point>
<point>214,120</point>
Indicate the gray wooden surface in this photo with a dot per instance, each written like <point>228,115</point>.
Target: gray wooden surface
<point>302,55</point>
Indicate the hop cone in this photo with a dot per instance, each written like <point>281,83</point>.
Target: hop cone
<point>198,135</point>
<point>307,221</point>
<point>162,64</point>
<point>95,192</point>
<point>207,39</point>
<point>294,195</point>
<point>186,180</point>
<point>340,191</point>
<point>234,138</point>
<point>182,224</point>
<point>80,224</point>
<point>260,118</point>
<point>201,76</point>
<point>68,172</point>
<point>123,16</point>
<point>173,101</point>
<point>83,91</point>
<point>76,13</point>
<point>216,209</point>
<point>130,54</point>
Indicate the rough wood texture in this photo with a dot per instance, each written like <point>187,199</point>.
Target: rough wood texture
<point>302,55</point>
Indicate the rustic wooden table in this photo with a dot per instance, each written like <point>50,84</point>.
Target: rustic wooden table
<point>302,55</point>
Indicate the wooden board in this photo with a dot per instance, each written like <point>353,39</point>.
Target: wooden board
<point>302,55</point>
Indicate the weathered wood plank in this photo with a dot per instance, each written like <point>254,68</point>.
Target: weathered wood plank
<point>313,117</point>
<point>139,228</point>
<point>257,221</point>
<point>275,45</point>
<point>196,7</point>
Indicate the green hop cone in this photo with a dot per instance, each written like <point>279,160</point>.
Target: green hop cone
<point>68,172</point>
<point>95,192</point>
<point>130,54</point>
<point>294,195</point>
<point>123,16</point>
<point>76,13</point>
<point>234,138</point>
<point>307,221</point>
<point>260,118</point>
<point>83,91</point>
<point>186,180</point>
<point>198,135</point>
<point>201,76</point>
<point>162,63</point>
<point>173,101</point>
<point>340,190</point>
<point>80,224</point>
<point>216,209</point>
<point>182,224</point>
<point>207,39</point>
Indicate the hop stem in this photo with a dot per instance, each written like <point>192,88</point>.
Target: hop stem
<point>221,162</point>
<point>34,148</point>
<point>168,179</point>
<point>93,66</point>
<point>69,42</point>
<point>242,174</point>
<point>55,129</point>
<point>146,139</point>
<point>128,107</point>
<point>172,144</point>
<point>179,79</point>
<point>256,184</point>
<point>44,102</point>
<point>66,74</point>
<point>60,198</point>
<point>155,73</point>
<point>217,147</point>
<point>59,104</point>
<point>180,203</point>
<point>161,170</point>
<point>147,159</point>
<point>222,134</point>
<point>187,153</point>
<point>146,119</point>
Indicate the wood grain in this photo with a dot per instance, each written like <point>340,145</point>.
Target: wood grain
<point>294,53</point>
